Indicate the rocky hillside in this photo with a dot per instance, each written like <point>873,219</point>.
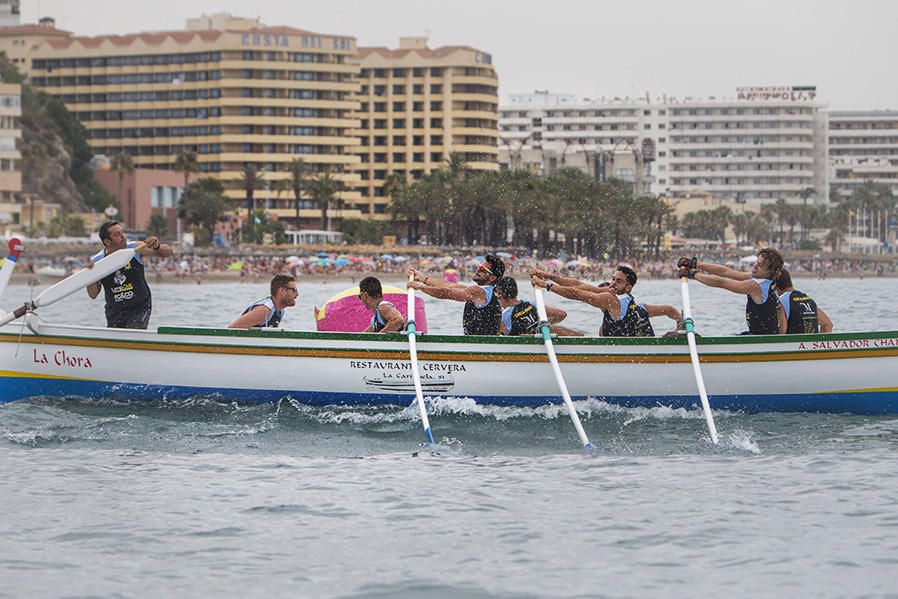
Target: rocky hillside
<point>46,164</point>
<point>55,152</point>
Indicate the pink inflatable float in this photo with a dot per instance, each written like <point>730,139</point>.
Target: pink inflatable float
<point>344,312</point>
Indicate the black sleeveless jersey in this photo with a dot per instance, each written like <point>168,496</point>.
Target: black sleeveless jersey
<point>524,319</point>
<point>128,299</point>
<point>484,320</point>
<point>802,312</point>
<point>763,318</point>
<point>634,323</point>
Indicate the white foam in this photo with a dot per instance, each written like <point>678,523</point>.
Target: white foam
<point>740,439</point>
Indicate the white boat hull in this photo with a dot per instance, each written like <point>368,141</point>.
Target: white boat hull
<point>820,373</point>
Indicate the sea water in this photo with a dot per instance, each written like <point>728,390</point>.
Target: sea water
<point>204,498</point>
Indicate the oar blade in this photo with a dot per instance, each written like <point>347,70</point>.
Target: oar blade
<point>696,364</point>
<point>556,369</point>
<point>84,277</point>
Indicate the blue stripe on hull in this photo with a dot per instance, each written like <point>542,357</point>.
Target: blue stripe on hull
<point>14,389</point>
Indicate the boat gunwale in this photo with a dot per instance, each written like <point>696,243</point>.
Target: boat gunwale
<point>525,340</point>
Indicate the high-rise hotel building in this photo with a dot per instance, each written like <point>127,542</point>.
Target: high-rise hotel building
<point>417,106</point>
<point>231,90</point>
<point>863,146</point>
<point>765,144</point>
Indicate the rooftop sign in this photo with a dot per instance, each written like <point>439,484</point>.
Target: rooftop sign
<point>781,92</point>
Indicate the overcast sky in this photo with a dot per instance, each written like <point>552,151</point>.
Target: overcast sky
<point>589,48</point>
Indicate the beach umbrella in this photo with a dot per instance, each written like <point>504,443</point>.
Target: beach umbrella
<point>504,255</point>
<point>400,259</point>
<point>345,313</point>
<point>237,265</point>
<point>748,260</point>
<point>322,255</point>
<point>442,261</point>
<point>386,256</point>
<point>341,262</point>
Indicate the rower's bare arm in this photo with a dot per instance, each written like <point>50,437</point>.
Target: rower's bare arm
<point>392,317</point>
<point>555,315</point>
<point>93,290</point>
<point>461,293</point>
<point>662,310</point>
<point>430,281</point>
<point>565,332</point>
<point>825,322</point>
<point>254,317</point>
<point>563,280</point>
<point>723,271</point>
<point>602,300</point>
<point>746,287</point>
<point>153,247</point>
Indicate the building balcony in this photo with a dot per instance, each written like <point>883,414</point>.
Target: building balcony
<point>771,145</point>
<point>288,66</point>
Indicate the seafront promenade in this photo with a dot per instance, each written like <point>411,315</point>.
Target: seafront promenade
<point>242,265</point>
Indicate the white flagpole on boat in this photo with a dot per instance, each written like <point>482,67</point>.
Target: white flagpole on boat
<point>413,355</point>
<point>15,248</point>
<point>79,280</point>
<point>693,354</point>
<point>553,359</point>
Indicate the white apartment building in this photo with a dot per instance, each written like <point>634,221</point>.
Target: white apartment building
<point>9,13</point>
<point>863,146</point>
<point>766,144</point>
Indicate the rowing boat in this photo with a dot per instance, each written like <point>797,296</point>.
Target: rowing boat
<point>847,372</point>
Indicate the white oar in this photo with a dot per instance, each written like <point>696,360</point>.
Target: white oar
<point>553,359</point>
<point>15,248</point>
<point>413,354</point>
<point>693,353</point>
<point>79,280</point>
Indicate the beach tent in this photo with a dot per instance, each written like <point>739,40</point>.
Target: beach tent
<point>345,313</point>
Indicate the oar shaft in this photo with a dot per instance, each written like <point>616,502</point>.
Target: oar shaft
<point>413,356</point>
<point>553,360</point>
<point>693,355</point>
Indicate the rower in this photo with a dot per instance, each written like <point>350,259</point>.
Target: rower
<point>269,312</point>
<point>763,311</point>
<point>519,317</point>
<point>803,315</point>
<point>482,310</point>
<point>623,316</point>
<point>386,318</point>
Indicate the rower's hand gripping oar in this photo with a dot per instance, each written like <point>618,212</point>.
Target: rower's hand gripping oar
<point>553,359</point>
<point>413,355</point>
<point>79,280</point>
<point>693,354</point>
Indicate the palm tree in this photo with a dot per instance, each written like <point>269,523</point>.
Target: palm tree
<point>324,189</point>
<point>297,179</point>
<point>807,192</point>
<point>186,163</point>
<point>123,163</point>
<point>393,184</point>
<point>456,165</point>
<point>251,179</point>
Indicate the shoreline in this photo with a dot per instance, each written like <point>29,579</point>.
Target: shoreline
<point>355,277</point>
